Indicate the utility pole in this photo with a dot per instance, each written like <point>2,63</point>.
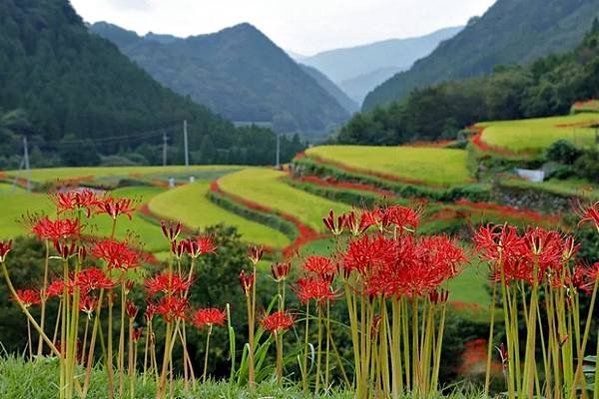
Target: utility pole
<point>278,150</point>
<point>164,148</point>
<point>186,148</point>
<point>26,162</point>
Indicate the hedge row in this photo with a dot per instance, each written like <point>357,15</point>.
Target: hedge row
<point>269,219</point>
<point>474,192</point>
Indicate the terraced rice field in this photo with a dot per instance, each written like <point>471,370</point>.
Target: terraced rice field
<point>54,174</point>
<point>265,187</point>
<point>534,135</point>
<point>434,166</point>
<point>189,205</point>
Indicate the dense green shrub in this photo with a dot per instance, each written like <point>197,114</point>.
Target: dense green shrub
<point>587,165</point>
<point>563,151</point>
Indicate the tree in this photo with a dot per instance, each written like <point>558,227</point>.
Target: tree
<point>75,152</point>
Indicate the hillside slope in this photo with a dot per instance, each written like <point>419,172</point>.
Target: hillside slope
<point>342,98</point>
<point>238,73</point>
<point>511,31</point>
<point>69,81</point>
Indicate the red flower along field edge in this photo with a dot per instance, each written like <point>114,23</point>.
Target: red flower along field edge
<point>390,280</point>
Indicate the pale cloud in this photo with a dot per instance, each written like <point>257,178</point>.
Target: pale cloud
<point>306,26</point>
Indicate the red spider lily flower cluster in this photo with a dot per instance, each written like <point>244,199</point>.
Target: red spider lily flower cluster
<point>114,207</point>
<point>531,257</point>
<point>131,309</point>
<point>88,304</point>
<point>277,322</point>
<point>247,282</point>
<point>29,297</point>
<point>76,200</point>
<point>400,217</point>
<point>171,230</point>
<point>255,254</point>
<point>280,271</point>
<point>117,254</point>
<point>168,284</point>
<point>208,317</point>
<point>5,248</point>
<point>61,229</point>
<point>200,245</point>
<point>590,215</point>
<point>316,289</point>
<point>172,308</point>
<point>320,266</point>
<point>93,278</point>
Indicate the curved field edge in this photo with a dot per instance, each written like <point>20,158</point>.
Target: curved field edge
<point>264,188</point>
<point>530,136</point>
<point>431,166</point>
<point>190,205</point>
<point>306,166</point>
<point>92,173</point>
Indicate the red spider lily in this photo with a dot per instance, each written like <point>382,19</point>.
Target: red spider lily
<point>131,309</point>
<point>247,282</point>
<point>56,288</point>
<point>178,248</point>
<point>546,250</point>
<point>88,304</point>
<point>280,271</point>
<point>335,227</point>
<point>314,289</point>
<point>5,247</point>
<point>438,296</point>
<point>29,297</point>
<point>171,230</point>
<point>65,250</point>
<point>114,207</point>
<point>370,218</point>
<point>402,217</point>
<point>368,253</point>
<point>171,308</point>
<point>208,317</point>
<point>255,254</point>
<point>200,245</point>
<point>320,266</point>
<point>93,278</point>
<point>137,333</point>
<point>46,229</point>
<point>277,322</point>
<point>418,268</point>
<point>169,284</point>
<point>129,284</point>
<point>71,200</point>
<point>150,312</point>
<point>116,254</point>
<point>590,214</point>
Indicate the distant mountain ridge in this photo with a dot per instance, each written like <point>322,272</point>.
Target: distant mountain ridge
<point>237,72</point>
<point>342,98</point>
<point>353,68</point>
<point>511,31</point>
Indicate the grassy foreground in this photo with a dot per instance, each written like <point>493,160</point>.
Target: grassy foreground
<point>39,380</point>
<point>437,166</point>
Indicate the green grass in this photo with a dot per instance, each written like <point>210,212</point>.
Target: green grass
<point>537,134</point>
<point>16,204</point>
<point>436,166</point>
<point>570,187</point>
<point>54,174</point>
<point>266,187</point>
<point>189,205</point>
<point>39,380</point>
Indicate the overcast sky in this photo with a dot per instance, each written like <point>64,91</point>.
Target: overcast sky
<point>302,26</point>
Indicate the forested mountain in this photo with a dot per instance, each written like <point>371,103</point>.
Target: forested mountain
<point>548,86</point>
<point>350,105</point>
<point>511,31</point>
<point>357,88</point>
<point>238,73</point>
<point>72,84</point>
<point>384,58</point>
